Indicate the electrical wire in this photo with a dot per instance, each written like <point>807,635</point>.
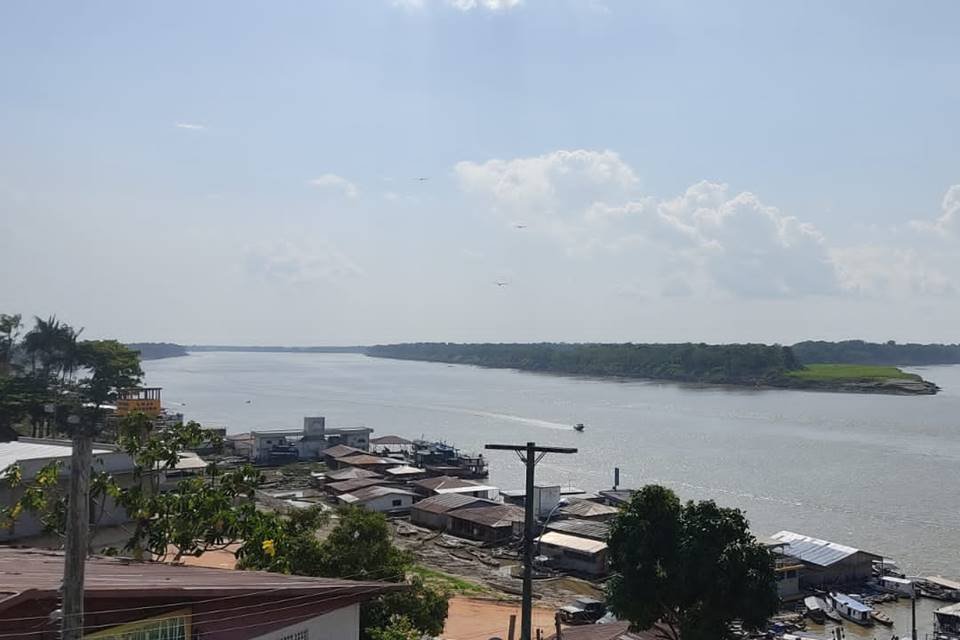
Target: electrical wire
<point>203,617</point>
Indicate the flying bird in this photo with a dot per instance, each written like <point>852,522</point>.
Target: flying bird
<point>422,179</point>
<point>501,284</point>
<point>519,226</point>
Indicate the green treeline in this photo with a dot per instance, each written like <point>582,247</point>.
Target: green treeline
<point>889,353</point>
<point>157,350</point>
<point>687,362</point>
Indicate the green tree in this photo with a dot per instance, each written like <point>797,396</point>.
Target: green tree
<point>690,569</point>
<point>399,628</point>
<point>358,548</point>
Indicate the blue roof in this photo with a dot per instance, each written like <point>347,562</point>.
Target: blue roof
<point>851,603</point>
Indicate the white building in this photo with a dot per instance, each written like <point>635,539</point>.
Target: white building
<point>380,498</point>
<point>32,454</point>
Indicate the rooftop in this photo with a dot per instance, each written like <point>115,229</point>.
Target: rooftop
<point>564,491</point>
<point>497,515</point>
<point>822,553</point>
<point>39,449</point>
<point>443,482</point>
<point>342,451</point>
<point>377,491</point>
<point>362,458</point>
<point>619,496</point>
<point>574,543</point>
<point>450,501</point>
<point>405,470</point>
<point>349,473</point>
<point>851,603</point>
<point>610,631</point>
<point>33,573</point>
<point>582,528</point>
<point>396,440</point>
<point>347,486</point>
<point>588,509</point>
<point>949,610</point>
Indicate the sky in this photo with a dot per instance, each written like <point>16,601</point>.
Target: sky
<point>367,171</point>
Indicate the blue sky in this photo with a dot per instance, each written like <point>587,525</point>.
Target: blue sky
<point>248,172</point>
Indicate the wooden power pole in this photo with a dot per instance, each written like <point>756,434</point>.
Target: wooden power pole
<point>530,454</point>
<point>78,527</point>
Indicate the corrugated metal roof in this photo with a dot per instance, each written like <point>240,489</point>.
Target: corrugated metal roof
<point>588,508</point>
<point>41,572</point>
<point>341,451</point>
<point>369,493</point>
<point>350,473</point>
<point>450,501</point>
<point>497,515</point>
<point>582,528</point>
<point>405,470</point>
<point>360,459</point>
<point>574,543</point>
<point>949,610</point>
<point>390,440</point>
<point>347,486</point>
<point>468,489</point>
<point>29,449</point>
<point>443,482</point>
<point>822,553</point>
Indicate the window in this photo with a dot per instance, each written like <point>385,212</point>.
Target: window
<point>397,502</point>
<point>170,626</point>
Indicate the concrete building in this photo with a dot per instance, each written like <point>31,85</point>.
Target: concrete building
<point>358,437</point>
<point>573,553</point>
<point>125,599</point>
<point>383,499</point>
<point>546,504</point>
<point>32,454</point>
<point>492,524</point>
<point>433,512</point>
<point>827,563</point>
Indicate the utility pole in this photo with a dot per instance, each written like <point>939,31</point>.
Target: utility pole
<point>913,611</point>
<point>530,454</point>
<point>78,525</point>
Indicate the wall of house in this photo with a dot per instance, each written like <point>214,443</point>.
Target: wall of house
<point>342,624</point>
<point>594,564</point>
<point>788,584</point>
<point>428,519</point>
<point>853,569</point>
<point>385,504</point>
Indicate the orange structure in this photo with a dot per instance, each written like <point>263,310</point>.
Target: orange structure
<point>144,400</point>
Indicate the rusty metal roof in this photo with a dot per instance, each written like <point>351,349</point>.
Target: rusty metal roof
<point>498,515</point>
<point>361,459</point>
<point>350,473</point>
<point>583,528</point>
<point>369,493</point>
<point>450,501</point>
<point>36,573</point>
<point>444,482</point>
<point>346,486</point>
<point>342,451</point>
<point>390,440</point>
<point>588,509</point>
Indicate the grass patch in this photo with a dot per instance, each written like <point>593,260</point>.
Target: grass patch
<point>839,372</point>
<point>451,583</point>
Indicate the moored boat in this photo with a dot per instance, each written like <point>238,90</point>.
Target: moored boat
<point>881,618</point>
<point>814,609</point>
<point>852,609</point>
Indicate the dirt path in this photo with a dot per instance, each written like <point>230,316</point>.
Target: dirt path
<point>481,620</point>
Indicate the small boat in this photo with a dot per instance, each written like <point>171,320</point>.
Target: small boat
<point>814,609</point>
<point>852,609</point>
<point>881,618</point>
<point>578,427</point>
<point>828,611</point>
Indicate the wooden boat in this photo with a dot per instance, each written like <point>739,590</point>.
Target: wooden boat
<point>852,609</point>
<point>578,427</point>
<point>881,618</point>
<point>828,611</point>
<point>814,609</point>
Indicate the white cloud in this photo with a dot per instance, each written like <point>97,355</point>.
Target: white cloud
<point>461,5</point>
<point>190,126</point>
<point>884,271</point>
<point>298,264</point>
<point>333,182</point>
<point>949,221</point>
<point>706,239</point>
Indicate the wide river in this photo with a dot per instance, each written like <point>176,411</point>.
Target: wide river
<point>876,472</point>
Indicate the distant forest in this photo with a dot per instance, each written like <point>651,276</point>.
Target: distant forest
<point>891,353</point>
<point>686,362</point>
<point>157,350</point>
